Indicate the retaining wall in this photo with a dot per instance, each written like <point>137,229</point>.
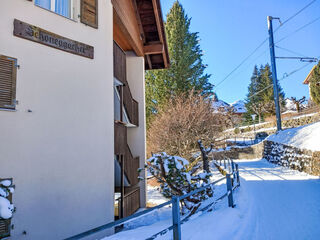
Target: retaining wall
<point>292,157</point>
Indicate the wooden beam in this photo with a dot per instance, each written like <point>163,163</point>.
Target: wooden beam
<point>125,19</point>
<point>158,16</point>
<point>149,62</point>
<point>153,49</point>
<point>134,3</point>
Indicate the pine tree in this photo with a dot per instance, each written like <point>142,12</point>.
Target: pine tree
<point>254,101</point>
<point>315,85</point>
<point>186,72</point>
<point>260,97</point>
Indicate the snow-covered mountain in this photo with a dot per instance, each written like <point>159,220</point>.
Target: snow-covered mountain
<point>239,106</point>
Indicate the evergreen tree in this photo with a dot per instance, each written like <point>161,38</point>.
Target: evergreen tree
<point>315,85</point>
<point>186,72</point>
<point>260,97</point>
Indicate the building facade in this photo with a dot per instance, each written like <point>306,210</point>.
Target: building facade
<point>72,110</point>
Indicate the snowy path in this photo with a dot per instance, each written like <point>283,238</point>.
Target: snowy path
<point>285,203</point>
<point>272,203</point>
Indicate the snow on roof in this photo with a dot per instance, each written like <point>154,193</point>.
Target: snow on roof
<point>239,106</point>
<point>307,137</point>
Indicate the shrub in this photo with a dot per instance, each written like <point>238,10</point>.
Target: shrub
<point>175,179</point>
<point>182,122</point>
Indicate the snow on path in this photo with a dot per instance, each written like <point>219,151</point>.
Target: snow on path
<point>273,203</point>
<point>285,203</point>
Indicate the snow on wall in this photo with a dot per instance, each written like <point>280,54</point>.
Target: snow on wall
<point>307,137</point>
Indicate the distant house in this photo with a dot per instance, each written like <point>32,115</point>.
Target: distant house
<point>307,79</point>
<point>72,110</point>
<point>239,107</point>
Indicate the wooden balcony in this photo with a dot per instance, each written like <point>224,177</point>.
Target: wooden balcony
<point>121,147</point>
<point>131,202</point>
<point>120,73</point>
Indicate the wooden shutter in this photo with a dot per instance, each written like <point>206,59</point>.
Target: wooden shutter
<point>89,12</point>
<point>8,74</point>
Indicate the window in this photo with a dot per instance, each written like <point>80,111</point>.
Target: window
<point>61,7</point>
<point>8,72</point>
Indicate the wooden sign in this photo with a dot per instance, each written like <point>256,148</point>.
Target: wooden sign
<point>39,35</point>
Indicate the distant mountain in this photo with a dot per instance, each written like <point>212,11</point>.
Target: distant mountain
<point>239,106</point>
<point>220,105</point>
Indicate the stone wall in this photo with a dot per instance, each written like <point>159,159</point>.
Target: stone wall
<point>292,157</point>
<point>236,152</point>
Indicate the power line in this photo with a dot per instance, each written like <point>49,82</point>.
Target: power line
<point>296,14</point>
<point>290,51</point>
<point>286,75</point>
<point>299,29</point>
<point>242,62</point>
<point>262,43</point>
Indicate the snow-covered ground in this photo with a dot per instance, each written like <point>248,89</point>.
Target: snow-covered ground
<point>307,137</point>
<point>272,203</point>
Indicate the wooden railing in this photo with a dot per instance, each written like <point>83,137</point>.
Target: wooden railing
<point>120,72</point>
<point>131,202</point>
<point>121,147</point>
<point>131,166</point>
<point>120,138</point>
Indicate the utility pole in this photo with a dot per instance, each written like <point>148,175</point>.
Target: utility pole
<point>274,72</point>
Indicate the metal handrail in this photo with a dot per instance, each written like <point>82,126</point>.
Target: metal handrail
<point>175,201</point>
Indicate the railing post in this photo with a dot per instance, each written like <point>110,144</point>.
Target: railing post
<point>229,191</point>
<point>233,173</point>
<point>238,178</point>
<point>225,166</point>
<point>176,218</point>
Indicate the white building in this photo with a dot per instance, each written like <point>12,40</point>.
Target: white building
<point>72,110</point>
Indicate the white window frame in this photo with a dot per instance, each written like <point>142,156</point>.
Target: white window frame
<point>53,8</point>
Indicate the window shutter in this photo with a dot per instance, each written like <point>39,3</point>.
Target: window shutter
<point>89,12</point>
<point>8,72</point>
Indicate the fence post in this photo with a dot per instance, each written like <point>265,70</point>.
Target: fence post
<point>225,166</point>
<point>233,173</point>
<point>176,218</point>
<point>237,170</point>
<point>229,191</point>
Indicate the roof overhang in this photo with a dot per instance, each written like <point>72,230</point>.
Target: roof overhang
<point>138,26</point>
<point>307,80</point>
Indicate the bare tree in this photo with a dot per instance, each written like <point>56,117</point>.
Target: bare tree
<point>298,102</point>
<point>184,121</point>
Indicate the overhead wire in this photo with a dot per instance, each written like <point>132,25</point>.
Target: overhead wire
<point>263,42</point>
<point>286,75</point>
<point>290,51</point>
<point>299,29</point>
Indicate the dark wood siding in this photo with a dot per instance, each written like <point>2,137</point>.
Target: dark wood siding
<point>8,74</point>
<point>120,138</point>
<point>120,73</point>
<point>89,12</point>
<point>131,202</point>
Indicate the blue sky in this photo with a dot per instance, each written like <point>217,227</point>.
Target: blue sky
<point>231,30</point>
